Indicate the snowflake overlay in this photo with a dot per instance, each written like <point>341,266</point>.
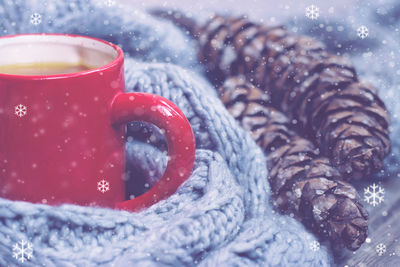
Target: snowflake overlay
<point>109,2</point>
<point>20,110</point>
<point>36,18</point>
<point>312,12</point>
<point>22,250</point>
<point>362,32</point>
<point>103,186</point>
<point>374,194</point>
<point>315,246</point>
<point>397,250</point>
<point>381,249</point>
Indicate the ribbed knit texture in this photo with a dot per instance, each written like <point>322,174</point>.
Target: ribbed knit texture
<point>220,216</point>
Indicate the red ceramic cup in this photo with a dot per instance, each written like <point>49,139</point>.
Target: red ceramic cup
<point>62,137</point>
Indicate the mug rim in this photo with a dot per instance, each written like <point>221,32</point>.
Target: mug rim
<point>115,62</point>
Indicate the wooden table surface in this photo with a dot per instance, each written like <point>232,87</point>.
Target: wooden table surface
<point>384,227</point>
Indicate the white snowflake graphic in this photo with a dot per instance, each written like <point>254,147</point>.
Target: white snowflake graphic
<point>397,250</point>
<point>312,12</point>
<point>374,194</point>
<point>20,110</point>
<point>103,186</point>
<point>36,18</point>
<point>22,250</point>
<point>109,2</point>
<point>380,249</point>
<point>314,245</point>
<point>362,32</point>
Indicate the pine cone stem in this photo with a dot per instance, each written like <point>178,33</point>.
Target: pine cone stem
<point>303,182</point>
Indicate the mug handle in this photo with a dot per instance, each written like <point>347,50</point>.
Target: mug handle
<point>128,107</point>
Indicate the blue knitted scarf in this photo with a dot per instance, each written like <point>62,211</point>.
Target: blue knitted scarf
<point>220,216</point>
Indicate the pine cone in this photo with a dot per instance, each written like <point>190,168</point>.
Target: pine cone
<point>319,91</point>
<point>302,181</point>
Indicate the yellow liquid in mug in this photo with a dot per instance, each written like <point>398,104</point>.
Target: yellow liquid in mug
<point>44,68</point>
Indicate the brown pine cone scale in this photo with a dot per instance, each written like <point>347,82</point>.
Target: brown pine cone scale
<point>303,182</point>
<point>319,91</point>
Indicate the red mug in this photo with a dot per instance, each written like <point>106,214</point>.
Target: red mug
<point>62,136</point>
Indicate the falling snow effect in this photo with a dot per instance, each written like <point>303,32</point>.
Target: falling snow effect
<point>312,12</point>
<point>20,110</point>
<point>380,249</point>
<point>103,186</point>
<point>362,32</point>
<point>36,18</point>
<point>374,194</point>
<point>315,246</point>
<point>383,61</point>
<point>22,251</point>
